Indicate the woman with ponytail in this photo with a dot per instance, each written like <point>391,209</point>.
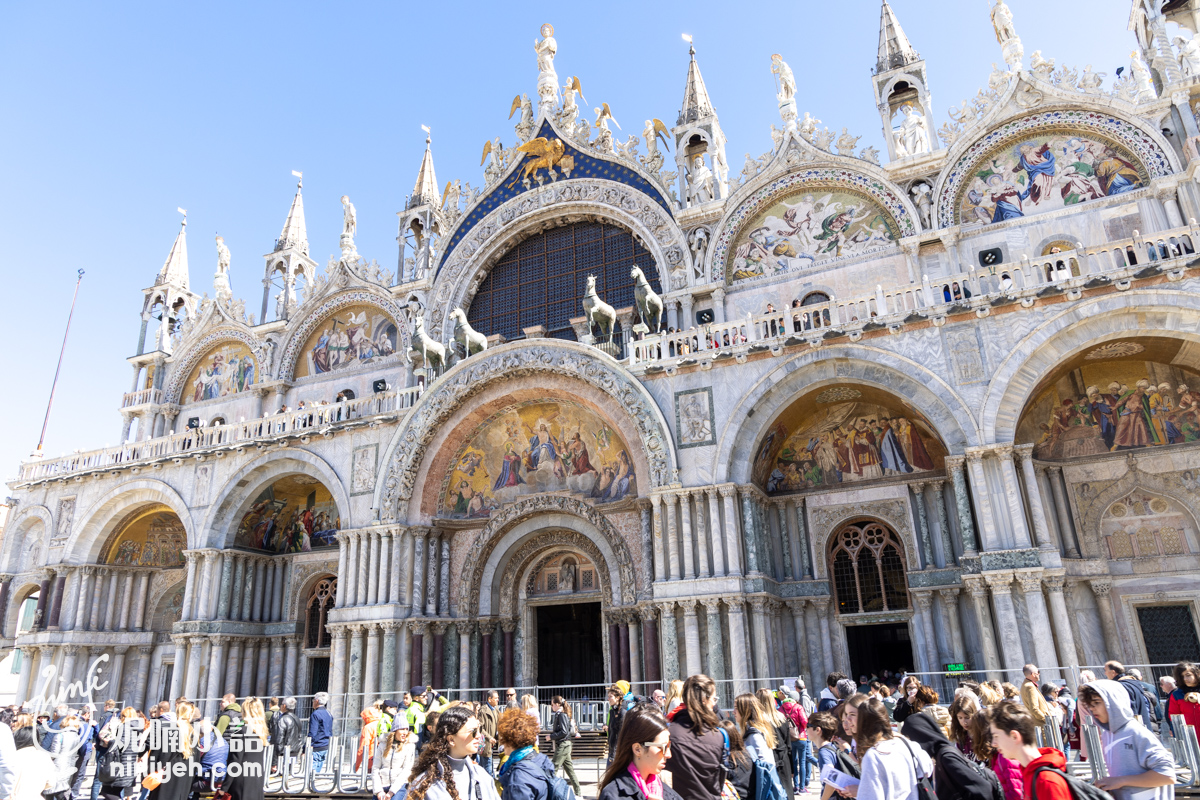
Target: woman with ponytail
<point>445,768</point>
<point>697,755</point>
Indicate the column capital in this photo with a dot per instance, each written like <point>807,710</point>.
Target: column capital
<point>822,603</point>
<point>373,628</point>
<point>974,455</point>
<point>1000,582</point>
<point>390,625</point>
<point>1101,586</point>
<point>954,462</point>
<point>727,490</point>
<point>121,649</point>
<point>145,651</point>
<point>1054,582</point>
<point>337,634</point>
<point>924,600</point>
<point>647,612</point>
<point>487,626</point>
<point>419,627</point>
<point>72,649</point>
<point>218,639</point>
<point>712,605</point>
<point>918,486</point>
<point>949,594</point>
<point>689,607</point>
<point>666,607</point>
<point>179,640</point>
<point>508,624</point>
<point>356,629</point>
<point>464,626</point>
<point>1024,452</point>
<point>796,604</point>
<point>1030,580</point>
<point>96,651</point>
<point>439,627</point>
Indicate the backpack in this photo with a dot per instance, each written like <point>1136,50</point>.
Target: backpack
<point>575,734</point>
<point>988,775</point>
<point>1079,789</point>
<point>558,788</point>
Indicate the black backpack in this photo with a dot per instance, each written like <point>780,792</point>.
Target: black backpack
<point>1080,790</point>
<point>989,775</point>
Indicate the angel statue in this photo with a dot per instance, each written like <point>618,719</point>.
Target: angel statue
<point>1189,55</point>
<point>1141,76</point>
<point>349,217</point>
<point>547,85</point>
<point>450,197</point>
<point>570,111</point>
<point>495,167</point>
<point>525,124</point>
<point>912,137</point>
<point>604,139</point>
<point>654,158</point>
<point>699,183</point>
<point>787,89</point>
<point>808,126</point>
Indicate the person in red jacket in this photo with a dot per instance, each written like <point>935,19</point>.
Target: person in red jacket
<point>1014,735</point>
<point>1185,700</point>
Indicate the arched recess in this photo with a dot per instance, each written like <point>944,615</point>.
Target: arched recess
<point>17,597</point>
<point>302,328</point>
<point>167,607</point>
<point>895,514</point>
<point>555,204</point>
<point>502,539</point>
<point>1143,143</point>
<point>100,521</point>
<point>1094,499</point>
<point>548,543</point>
<point>407,451</point>
<point>199,353</point>
<point>1158,311</point>
<point>866,568</point>
<point>315,600</point>
<point>149,536</point>
<point>935,399</point>
<point>243,489</point>
<point>24,539</point>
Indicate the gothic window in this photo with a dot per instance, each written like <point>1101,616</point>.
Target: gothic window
<point>1169,634</point>
<point>868,570</point>
<point>542,280</point>
<point>320,600</point>
<point>814,298</point>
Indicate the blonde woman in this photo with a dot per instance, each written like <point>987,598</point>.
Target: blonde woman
<point>174,745</point>
<point>781,727</point>
<point>252,725</point>
<point>529,705</point>
<point>674,695</point>
<point>394,757</point>
<point>757,731</point>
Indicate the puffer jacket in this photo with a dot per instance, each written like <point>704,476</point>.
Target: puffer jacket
<point>528,779</point>
<point>64,750</point>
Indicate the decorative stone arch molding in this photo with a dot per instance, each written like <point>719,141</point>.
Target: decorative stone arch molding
<point>306,575</point>
<point>1131,133</point>
<point>201,347</point>
<point>915,384</point>
<point>527,557</point>
<point>1092,507</point>
<point>522,359</point>
<point>16,597</point>
<point>163,585</point>
<point>19,529</point>
<point>564,202</point>
<point>507,536</point>
<point>788,173</point>
<point>303,326</point>
<point>1159,311</point>
<point>239,491</point>
<point>99,522</point>
<point>826,521</point>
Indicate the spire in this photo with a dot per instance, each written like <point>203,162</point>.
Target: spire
<point>894,48</point>
<point>696,104</point>
<point>425,190</point>
<point>175,270</point>
<point>295,232</point>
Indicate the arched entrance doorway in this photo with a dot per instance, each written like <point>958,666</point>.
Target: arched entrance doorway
<point>562,592</point>
<point>866,563</point>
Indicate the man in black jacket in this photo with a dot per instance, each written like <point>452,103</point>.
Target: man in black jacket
<point>286,731</point>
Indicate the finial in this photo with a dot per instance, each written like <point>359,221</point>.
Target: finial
<point>687,37</point>
<point>184,212</point>
<point>300,179</point>
<point>428,135</point>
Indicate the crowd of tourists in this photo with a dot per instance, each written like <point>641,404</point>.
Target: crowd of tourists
<point>885,737</point>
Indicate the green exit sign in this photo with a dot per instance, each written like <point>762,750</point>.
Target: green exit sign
<point>956,669</point>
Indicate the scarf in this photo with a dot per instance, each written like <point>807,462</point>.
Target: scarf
<point>516,756</point>
<point>652,788</point>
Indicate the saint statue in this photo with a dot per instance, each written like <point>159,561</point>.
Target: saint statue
<point>221,279</point>
<point>566,578</point>
<point>787,89</point>
<point>1002,21</point>
<point>222,256</point>
<point>912,137</point>
<point>547,85</point>
<point>349,217</point>
<point>1141,76</point>
<point>699,183</point>
<point>1189,55</point>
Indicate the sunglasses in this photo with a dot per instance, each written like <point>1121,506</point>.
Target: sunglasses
<point>666,748</point>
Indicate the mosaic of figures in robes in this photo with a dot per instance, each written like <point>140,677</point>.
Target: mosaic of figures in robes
<point>815,224</point>
<point>293,515</point>
<point>534,448</point>
<point>227,369</point>
<point>153,538</point>
<point>354,336</point>
<point>844,435</point>
<point>1045,173</point>
<point>1123,395</point>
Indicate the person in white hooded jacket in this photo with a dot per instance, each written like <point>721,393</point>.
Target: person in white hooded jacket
<point>1139,766</point>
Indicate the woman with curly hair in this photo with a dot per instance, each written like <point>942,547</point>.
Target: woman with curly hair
<point>525,773</point>
<point>445,768</point>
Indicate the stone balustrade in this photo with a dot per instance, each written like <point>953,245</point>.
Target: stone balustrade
<point>196,441</point>
<point>142,397</point>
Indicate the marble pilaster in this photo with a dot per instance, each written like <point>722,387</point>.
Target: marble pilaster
<point>670,648</point>
<point>962,503</point>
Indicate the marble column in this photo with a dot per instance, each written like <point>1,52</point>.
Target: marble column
<point>354,667</point>
<point>749,516</point>
<point>1006,619</point>
<point>465,628</point>
<point>733,547</point>
<point>231,667</point>
<point>1102,588</point>
<point>27,656</point>
<point>70,656</point>
<point>397,578</point>
<point>924,604</point>
<point>1012,497</point>
<point>687,541</point>
<point>509,626</point>
<point>385,551</point>
<point>361,567</point>
<point>239,588</point>
<point>387,669</point>
<point>281,586</point>
<point>189,592</point>
<point>444,583</point>
<point>758,621</point>
<point>371,662</point>
<point>796,607</point>
<point>112,601</point>
<point>208,584</point>
<point>225,592</point>
<point>178,667</point>
<point>670,535</point>
<point>372,568</point>
<point>822,605</point>
<point>1063,511</point>
<point>81,620</point>
<point>439,649</point>
<point>739,665</point>
<point>417,674</point>
<point>715,668</point>
<point>1064,636</point>
<point>94,617</point>
<point>486,627</point>
<point>418,583</point>
<point>431,575</point>
<point>670,647</point>
<point>141,682</point>
<point>343,539</point>
<point>785,538</point>
<point>936,488</point>
<point>632,624</point>
<point>191,682</point>
<point>277,665</point>
<point>248,683</point>
<point>795,508</point>
<point>714,532</point>
<point>268,571</point>
<point>950,605</point>
<point>917,489</point>
<point>262,670</point>
<point>691,638</point>
<point>216,671</point>
<point>962,503</point>
<point>1033,491</point>
<point>142,609</point>
<point>337,674</point>
<point>652,665</point>
<point>1039,619</point>
<point>623,645</point>
<point>661,571</point>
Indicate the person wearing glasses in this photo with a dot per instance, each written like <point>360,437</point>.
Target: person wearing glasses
<point>510,699</point>
<point>449,753</point>
<point>643,748</point>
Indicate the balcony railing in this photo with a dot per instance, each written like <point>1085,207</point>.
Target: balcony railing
<point>142,397</point>
<point>1071,270</point>
<point>195,441</point>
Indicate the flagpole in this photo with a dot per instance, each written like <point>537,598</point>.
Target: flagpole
<point>58,369</point>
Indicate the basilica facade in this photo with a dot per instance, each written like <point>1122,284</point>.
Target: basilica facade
<point>617,417</point>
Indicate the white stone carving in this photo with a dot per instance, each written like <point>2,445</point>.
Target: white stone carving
<point>1141,77</point>
<point>471,340</point>
<point>547,84</point>
<point>912,137</point>
<point>599,313</point>
<point>786,94</point>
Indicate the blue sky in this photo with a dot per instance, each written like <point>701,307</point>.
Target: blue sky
<point>118,113</point>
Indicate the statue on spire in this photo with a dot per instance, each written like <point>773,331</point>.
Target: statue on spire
<point>349,217</point>
<point>1006,34</point>
<point>547,85</point>
<point>786,84</point>
<point>221,279</point>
